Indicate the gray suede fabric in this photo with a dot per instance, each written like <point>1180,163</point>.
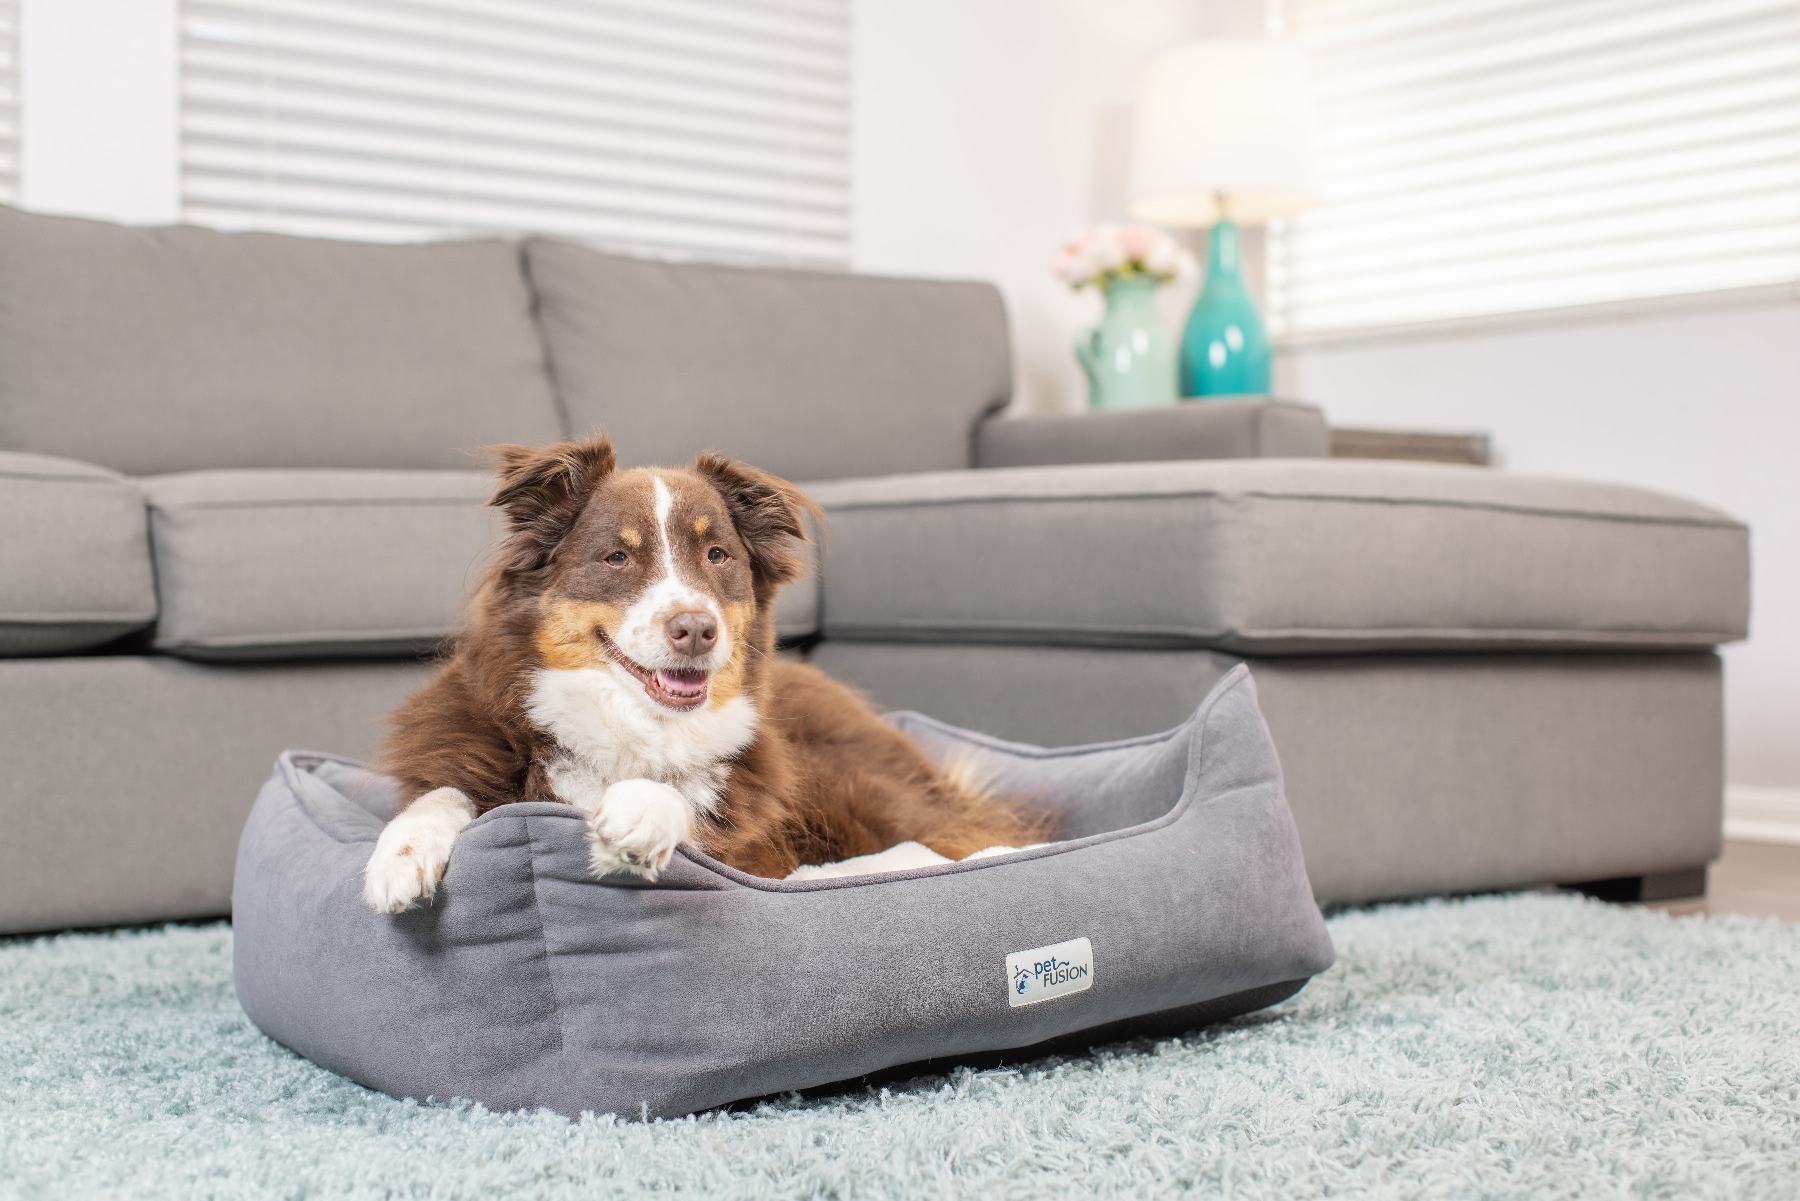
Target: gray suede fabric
<point>128,777</point>
<point>1199,429</point>
<point>810,375</point>
<point>1408,774</point>
<point>173,349</point>
<point>281,564</point>
<point>74,556</point>
<point>529,984</point>
<point>271,564</point>
<point>1281,556</point>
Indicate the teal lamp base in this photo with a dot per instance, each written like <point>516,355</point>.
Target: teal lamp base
<point>1224,349</point>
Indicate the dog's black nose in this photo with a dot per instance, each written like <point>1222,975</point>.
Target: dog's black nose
<point>693,632</point>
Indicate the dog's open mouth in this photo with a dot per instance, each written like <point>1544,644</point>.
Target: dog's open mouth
<point>677,689</point>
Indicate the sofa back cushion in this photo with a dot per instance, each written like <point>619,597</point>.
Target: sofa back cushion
<point>172,349</point>
<point>811,375</point>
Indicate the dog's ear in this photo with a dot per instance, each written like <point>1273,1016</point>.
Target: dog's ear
<point>543,490</point>
<point>769,514</point>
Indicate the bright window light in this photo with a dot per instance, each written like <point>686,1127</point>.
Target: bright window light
<point>1501,156</point>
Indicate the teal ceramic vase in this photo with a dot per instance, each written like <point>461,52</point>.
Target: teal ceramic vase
<point>1130,356</point>
<point>1224,349</point>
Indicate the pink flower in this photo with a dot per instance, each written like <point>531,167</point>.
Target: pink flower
<point>1139,241</point>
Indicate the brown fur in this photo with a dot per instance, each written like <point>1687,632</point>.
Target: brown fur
<point>824,778</point>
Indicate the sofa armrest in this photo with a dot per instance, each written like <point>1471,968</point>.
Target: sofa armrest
<point>74,556</point>
<point>1212,429</point>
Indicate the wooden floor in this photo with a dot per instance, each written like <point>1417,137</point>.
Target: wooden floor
<point>1759,879</point>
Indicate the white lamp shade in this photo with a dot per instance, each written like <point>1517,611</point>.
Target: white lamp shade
<point>1227,116</point>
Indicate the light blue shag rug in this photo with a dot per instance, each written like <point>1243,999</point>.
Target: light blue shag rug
<point>1529,1046</point>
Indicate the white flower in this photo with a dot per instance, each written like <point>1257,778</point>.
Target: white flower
<point>1107,251</point>
<point>1163,258</point>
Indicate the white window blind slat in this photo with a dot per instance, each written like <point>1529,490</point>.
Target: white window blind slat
<point>587,96</point>
<point>1498,156</point>
<point>342,112</point>
<point>670,127</point>
<point>442,37</point>
<point>1474,214</point>
<point>715,168</point>
<point>499,191</point>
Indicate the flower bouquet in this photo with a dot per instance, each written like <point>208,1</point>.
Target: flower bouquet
<point>1103,254</point>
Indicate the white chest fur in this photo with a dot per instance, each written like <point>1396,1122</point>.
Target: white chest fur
<point>609,731</point>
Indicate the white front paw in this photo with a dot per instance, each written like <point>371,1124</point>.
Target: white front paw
<point>637,827</point>
<point>414,849</point>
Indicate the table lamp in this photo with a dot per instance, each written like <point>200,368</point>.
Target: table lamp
<point>1220,136</point>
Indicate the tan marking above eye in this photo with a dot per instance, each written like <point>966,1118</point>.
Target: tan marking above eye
<point>632,538</point>
<point>702,523</point>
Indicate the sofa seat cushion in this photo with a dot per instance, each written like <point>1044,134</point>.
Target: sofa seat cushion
<point>153,350</point>
<point>74,556</point>
<point>1279,556</point>
<point>281,564</point>
<point>285,564</point>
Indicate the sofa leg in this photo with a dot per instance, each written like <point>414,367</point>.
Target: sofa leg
<point>1661,886</point>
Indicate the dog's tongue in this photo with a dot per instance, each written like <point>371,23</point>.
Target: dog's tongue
<point>681,683</point>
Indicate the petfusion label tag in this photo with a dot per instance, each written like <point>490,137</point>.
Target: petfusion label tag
<point>1033,976</point>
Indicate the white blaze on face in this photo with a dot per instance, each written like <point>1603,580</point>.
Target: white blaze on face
<point>642,635</point>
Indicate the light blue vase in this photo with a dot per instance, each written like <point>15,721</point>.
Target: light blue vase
<point>1130,356</point>
<point>1224,349</point>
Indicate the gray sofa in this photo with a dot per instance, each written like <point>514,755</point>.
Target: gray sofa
<point>1475,680</point>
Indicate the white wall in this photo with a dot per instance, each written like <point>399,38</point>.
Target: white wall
<point>985,132</point>
<point>98,109</point>
<point>1704,403</point>
<point>986,129</point>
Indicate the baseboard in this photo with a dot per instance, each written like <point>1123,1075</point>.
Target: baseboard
<point>1757,814</point>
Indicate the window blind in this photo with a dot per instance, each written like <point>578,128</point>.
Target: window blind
<point>680,128</point>
<point>9,101</point>
<point>1501,156</point>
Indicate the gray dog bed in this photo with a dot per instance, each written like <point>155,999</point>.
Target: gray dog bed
<point>1177,898</point>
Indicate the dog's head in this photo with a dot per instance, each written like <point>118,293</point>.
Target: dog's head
<point>664,574</point>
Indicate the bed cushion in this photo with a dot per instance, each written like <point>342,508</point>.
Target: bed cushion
<point>74,556</point>
<point>1179,888</point>
<point>1280,556</point>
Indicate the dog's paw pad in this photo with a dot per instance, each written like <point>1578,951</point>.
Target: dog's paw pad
<point>637,828</point>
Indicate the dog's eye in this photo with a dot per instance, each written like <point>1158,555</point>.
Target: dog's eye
<point>716,555</point>
<point>617,558</point>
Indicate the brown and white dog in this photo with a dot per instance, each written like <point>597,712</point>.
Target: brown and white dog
<point>618,657</point>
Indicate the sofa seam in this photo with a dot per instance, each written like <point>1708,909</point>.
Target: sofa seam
<point>1202,638</point>
<point>314,503</point>
<point>364,635</point>
<point>82,616</point>
<point>48,478</point>
<point>1214,494</point>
